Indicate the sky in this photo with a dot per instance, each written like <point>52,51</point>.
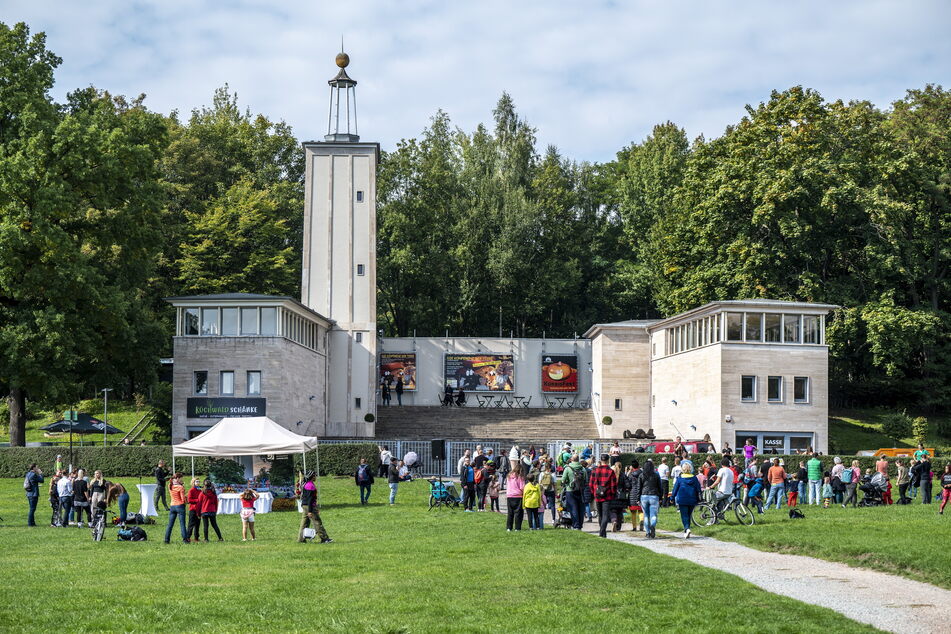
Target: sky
<point>591,77</point>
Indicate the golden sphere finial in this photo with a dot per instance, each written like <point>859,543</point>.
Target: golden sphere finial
<point>343,60</point>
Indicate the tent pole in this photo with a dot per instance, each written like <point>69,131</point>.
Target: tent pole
<point>173,462</point>
<point>317,453</point>
<point>193,467</point>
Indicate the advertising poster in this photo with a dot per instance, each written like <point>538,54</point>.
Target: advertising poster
<point>225,407</point>
<point>560,373</point>
<point>398,366</point>
<point>480,372</point>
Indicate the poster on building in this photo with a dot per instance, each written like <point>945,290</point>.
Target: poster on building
<point>560,373</point>
<point>480,372</point>
<point>398,366</point>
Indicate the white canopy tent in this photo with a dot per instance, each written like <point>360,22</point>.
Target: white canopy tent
<point>251,436</point>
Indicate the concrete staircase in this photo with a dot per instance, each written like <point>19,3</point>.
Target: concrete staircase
<point>453,423</point>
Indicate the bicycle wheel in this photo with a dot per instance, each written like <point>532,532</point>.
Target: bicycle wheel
<point>432,501</point>
<point>743,514</point>
<point>98,528</point>
<point>703,515</point>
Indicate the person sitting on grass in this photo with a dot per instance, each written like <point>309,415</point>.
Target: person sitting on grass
<point>247,513</point>
<point>945,488</point>
<point>308,502</point>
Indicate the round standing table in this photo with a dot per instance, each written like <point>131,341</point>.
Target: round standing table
<point>147,493</point>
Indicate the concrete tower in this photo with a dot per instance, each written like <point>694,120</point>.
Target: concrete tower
<point>339,267</point>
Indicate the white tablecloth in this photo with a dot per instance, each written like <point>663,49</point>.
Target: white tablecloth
<point>147,491</point>
<point>230,503</point>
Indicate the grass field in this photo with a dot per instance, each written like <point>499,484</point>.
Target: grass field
<point>905,540</point>
<point>122,415</point>
<point>392,569</point>
<point>854,430</point>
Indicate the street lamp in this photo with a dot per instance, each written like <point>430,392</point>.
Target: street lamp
<point>105,397</point>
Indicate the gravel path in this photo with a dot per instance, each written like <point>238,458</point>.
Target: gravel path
<point>890,603</point>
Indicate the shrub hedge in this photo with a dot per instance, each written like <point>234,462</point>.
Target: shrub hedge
<point>866,462</point>
<point>341,459</point>
<point>114,462</point>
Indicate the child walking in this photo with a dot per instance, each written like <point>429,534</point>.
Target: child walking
<point>531,500</point>
<point>493,490</point>
<point>247,513</point>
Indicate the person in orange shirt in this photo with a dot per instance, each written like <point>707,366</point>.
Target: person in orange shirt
<point>177,509</point>
<point>777,484</point>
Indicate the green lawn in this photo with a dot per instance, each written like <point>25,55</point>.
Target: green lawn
<point>392,569</point>
<point>121,415</point>
<point>857,429</point>
<point>905,540</point>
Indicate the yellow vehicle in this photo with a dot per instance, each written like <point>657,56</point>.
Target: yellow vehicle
<point>900,452</point>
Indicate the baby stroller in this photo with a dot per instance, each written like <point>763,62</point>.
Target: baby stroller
<point>564,515</point>
<point>873,488</point>
<point>442,494</point>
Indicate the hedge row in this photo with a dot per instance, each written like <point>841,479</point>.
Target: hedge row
<point>791,462</point>
<point>115,462</point>
<point>341,460</point>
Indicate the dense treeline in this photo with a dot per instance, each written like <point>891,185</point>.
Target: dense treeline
<point>106,208</point>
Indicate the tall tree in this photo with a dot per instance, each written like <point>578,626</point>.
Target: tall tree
<point>78,231</point>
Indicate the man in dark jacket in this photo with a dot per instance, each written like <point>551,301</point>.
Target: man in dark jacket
<point>399,390</point>
<point>603,485</point>
<point>393,479</point>
<point>634,496</point>
<point>32,479</point>
<point>924,471</point>
<point>363,476</point>
<point>572,485</point>
<point>161,475</point>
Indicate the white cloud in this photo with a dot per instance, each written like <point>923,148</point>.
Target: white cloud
<point>591,77</point>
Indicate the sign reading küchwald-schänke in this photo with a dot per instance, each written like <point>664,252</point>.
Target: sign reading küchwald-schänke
<point>225,407</point>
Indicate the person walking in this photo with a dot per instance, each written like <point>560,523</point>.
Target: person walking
<point>161,475</point>
<point>208,501</point>
<point>514,490</point>
<point>945,487</point>
<point>854,475</point>
<point>777,484</point>
<point>194,510</point>
<point>81,499</point>
<point>814,471</point>
<point>663,471</point>
<point>311,515</point>
<point>686,494</point>
<point>531,501</point>
<point>393,479</point>
<point>634,496</point>
<point>363,477</point>
<point>65,490</point>
<point>247,513</point>
<point>603,486</point>
<point>177,510</point>
<point>572,484</point>
<point>904,479</point>
<point>925,473</point>
<point>31,484</point>
<point>399,391</point>
<point>650,492</point>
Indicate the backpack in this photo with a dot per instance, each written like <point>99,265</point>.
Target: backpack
<point>796,514</point>
<point>27,485</point>
<point>578,481</point>
<point>134,534</point>
<point>479,475</point>
<point>846,476</point>
<point>363,473</point>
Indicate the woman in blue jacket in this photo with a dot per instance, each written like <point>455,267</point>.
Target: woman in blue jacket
<point>686,494</point>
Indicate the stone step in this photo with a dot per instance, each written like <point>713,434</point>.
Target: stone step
<point>502,423</point>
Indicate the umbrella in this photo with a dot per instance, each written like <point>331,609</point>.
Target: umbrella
<point>87,424</point>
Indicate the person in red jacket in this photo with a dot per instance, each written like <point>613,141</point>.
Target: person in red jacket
<point>603,485</point>
<point>194,509</point>
<point>208,503</point>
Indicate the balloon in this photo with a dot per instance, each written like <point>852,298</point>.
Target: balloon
<point>410,458</point>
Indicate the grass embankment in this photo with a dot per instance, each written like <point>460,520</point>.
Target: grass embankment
<point>392,569</point>
<point>904,540</point>
<point>122,415</point>
<point>854,430</point>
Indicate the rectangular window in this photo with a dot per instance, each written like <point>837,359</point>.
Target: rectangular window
<point>716,328</point>
<point>254,382</point>
<point>810,329</point>
<point>360,269</point>
<point>359,337</point>
<point>617,405</point>
<point>791,328</point>
<point>227,383</point>
<point>249,321</point>
<point>201,382</point>
<point>653,400</point>
<point>748,387</point>
<point>801,389</point>
<point>269,321</point>
<point>359,196</point>
<point>754,327</point>
<point>190,326</point>
<point>357,402</point>
<point>209,321</point>
<point>800,444</point>
<point>774,389</point>
<point>772,329</point>
<point>734,326</point>
<point>229,322</point>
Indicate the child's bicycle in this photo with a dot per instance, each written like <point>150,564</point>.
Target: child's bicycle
<point>710,513</point>
<point>99,523</point>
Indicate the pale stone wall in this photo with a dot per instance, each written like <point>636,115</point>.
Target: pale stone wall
<point>290,375</point>
<point>622,371</point>
<point>693,380</point>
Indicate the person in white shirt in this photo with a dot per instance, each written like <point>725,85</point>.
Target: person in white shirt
<point>664,472</point>
<point>64,488</point>
<point>385,456</point>
<point>465,456</point>
<point>514,454</point>
<point>723,482</point>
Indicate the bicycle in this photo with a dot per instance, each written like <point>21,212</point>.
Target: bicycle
<point>99,523</point>
<point>710,513</point>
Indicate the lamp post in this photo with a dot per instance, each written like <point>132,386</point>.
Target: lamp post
<point>105,397</point>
